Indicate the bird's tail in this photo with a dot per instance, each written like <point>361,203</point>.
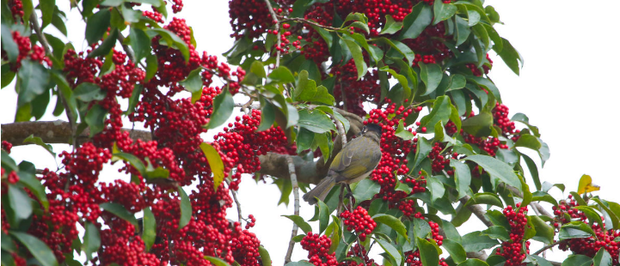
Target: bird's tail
<point>321,190</point>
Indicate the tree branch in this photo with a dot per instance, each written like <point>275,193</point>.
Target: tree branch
<point>293,176</point>
<point>277,26</point>
<point>306,21</point>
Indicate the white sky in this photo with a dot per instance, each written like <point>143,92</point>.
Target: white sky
<point>568,87</point>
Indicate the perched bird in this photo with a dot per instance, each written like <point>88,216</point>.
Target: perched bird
<point>357,159</point>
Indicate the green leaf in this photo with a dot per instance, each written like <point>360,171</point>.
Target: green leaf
<point>106,46</point>
<point>544,232</point>
<point>528,141</point>
<point>431,75</point>
<point>299,221</point>
<point>462,30</point>
<point>8,163</point>
<point>95,119</point>
<point>577,260</point>
<point>436,188</point>
<point>281,75</point>
<point>131,159</point>
<point>171,39</point>
<point>7,75</point>
<point>37,248</point>
<point>120,211</point>
<point>482,34</point>
<point>258,69</point>
<point>151,67</point>
<point>264,256</point>
<point>575,229</point>
<point>88,92</point>
<point>392,222</point>
<point>457,252</point>
<point>400,47</point>
<point>439,113</point>
<point>402,80</point>
<point>443,11</point>
<point>365,190</point>
<point>590,212</point>
<point>497,169</point>
<point>402,133</point>
<point>391,26</point>
<point>323,216</point>
<point>97,25</point>
<point>462,177</point>
<point>92,240</point>
<point>510,56</point>
<point>497,232</point>
<point>475,241</point>
<point>533,170</point>
<point>33,80</point>
<point>193,82</point>
<point>39,141</point>
<point>20,204</point>
<point>28,178</point>
<point>392,251</point>
<point>614,219</point>
<point>111,3</point>
<point>358,57</point>
<point>315,121</point>
<point>223,105</point>
<point>268,115</point>
<point>216,261</point>
<point>140,43</point>
<point>149,229</point>
<point>215,163</point>
<point>602,258</point>
<point>155,3</point>
<point>8,44</point>
<point>186,207</point>
<point>135,97</point>
<point>479,125</point>
<point>428,252</point>
<point>414,23</point>
<point>423,149</point>
<point>485,198</point>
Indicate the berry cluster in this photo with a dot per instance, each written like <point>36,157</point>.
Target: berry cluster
<point>565,213</point>
<point>512,250</point>
<point>412,258</point>
<point>318,249</point>
<point>360,221</point>
<point>26,51</point>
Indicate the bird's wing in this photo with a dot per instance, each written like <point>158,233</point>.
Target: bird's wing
<point>357,162</point>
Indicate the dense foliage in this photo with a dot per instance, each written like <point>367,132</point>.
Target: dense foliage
<point>311,74</point>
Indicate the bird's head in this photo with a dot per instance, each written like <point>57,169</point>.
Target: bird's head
<point>372,129</point>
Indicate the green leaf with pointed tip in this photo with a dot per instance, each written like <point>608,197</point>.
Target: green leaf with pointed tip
<point>431,75</point>
<point>391,26</point>
<point>462,30</point>
<point>106,46</point>
<point>258,69</point>
<point>392,222</point>
<point>216,261</point>
<point>268,116</point>
<point>528,141</point>
<point>149,229</point>
<point>299,221</point>
<point>8,44</point>
<point>602,258</point>
<point>323,216</point>
<point>402,133</point>
<point>473,262</point>
<point>510,56</point>
<point>28,179</point>
<point>440,113</point>
<point>223,105</point>
<point>443,11</point>
<point>151,67</point>
<point>20,205</point>
<point>39,141</point>
<point>590,212</point>
<point>533,170</point>
<point>41,252</point>
<point>400,47</point>
<point>315,121</point>
<point>544,232</point>
<point>186,208</point>
<point>457,252</point>
<point>497,232</point>
<point>120,211</point>
<point>575,229</point>
<point>95,118</point>
<point>486,198</point>
<point>140,43</point>
<point>416,21</point>
<point>97,25</point>
<point>92,240</point>
<point>402,80</point>
<point>462,177</point>
<point>497,169</point>
<point>428,252</point>
<point>193,82</point>
<point>131,159</point>
<point>436,188</point>
<point>358,57</point>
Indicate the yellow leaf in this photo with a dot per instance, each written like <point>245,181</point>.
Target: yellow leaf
<point>215,162</point>
<point>585,185</point>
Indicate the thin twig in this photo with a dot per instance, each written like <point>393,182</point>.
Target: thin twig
<point>239,214</point>
<point>277,26</point>
<point>37,29</point>
<point>293,176</point>
<point>305,21</point>
<point>340,127</point>
<point>545,248</point>
<point>128,50</point>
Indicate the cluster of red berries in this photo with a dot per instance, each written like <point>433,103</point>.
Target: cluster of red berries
<point>350,93</point>
<point>26,51</point>
<point>376,11</point>
<point>485,67</point>
<point>358,221</point>
<point>17,8</point>
<point>412,258</point>
<point>565,213</point>
<point>318,249</point>
<point>249,18</point>
<point>360,252</point>
<point>513,249</point>
<point>500,119</point>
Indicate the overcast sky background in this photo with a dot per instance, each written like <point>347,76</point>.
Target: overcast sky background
<point>568,87</point>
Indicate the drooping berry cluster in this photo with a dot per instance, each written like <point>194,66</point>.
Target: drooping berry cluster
<point>514,250</point>
<point>318,249</point>
<point>358,221</point>
<point>26,51</point>
<point>412,257</point>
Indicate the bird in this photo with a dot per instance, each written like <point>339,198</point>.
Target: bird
<point>357,159</point>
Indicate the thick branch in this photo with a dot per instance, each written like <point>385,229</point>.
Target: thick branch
<point>53,132</point>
